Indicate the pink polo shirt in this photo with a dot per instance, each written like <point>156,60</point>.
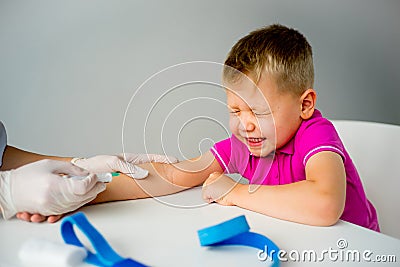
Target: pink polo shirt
<point>288,165</point>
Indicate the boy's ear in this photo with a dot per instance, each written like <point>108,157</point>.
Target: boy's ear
<point>308,100</point>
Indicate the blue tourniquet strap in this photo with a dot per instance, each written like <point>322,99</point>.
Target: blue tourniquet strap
<point>105,255</point>
<point>236,232</point>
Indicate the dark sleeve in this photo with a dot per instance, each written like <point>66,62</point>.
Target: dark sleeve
<point>3,141</point>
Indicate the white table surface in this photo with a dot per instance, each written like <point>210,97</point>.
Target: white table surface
<point>160,234</point>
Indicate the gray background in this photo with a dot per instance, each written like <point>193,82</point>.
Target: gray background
<point>68,69</point>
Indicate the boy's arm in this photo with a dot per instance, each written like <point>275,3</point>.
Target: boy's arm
<point>163,179</point>
<point>14,158</point>
<point>318,200</point>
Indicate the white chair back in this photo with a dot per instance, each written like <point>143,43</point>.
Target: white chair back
<point>375,150</point>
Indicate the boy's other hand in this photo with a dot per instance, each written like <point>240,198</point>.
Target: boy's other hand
<point>218,188</point>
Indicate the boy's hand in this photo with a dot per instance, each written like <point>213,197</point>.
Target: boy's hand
<point>37,218</point>
<point>218,188</point>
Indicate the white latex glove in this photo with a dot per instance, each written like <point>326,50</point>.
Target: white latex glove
<point>143,158</point>
<point>39,188</point>
<point>124,163</point>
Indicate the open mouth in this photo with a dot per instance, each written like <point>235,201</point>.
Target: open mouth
<point>254,142</point>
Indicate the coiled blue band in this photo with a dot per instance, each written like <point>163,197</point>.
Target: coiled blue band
<point>105,255</point>
<point>236,232</point>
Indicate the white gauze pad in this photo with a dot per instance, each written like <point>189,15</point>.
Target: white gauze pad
<point>39,252</point>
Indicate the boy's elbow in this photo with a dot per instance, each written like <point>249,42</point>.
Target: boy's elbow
<point>329,219</point>
<point>330,212</point>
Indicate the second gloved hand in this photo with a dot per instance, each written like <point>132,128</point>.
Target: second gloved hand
<point>124,163</point>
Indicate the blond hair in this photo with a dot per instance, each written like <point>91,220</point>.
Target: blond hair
<point>281,52</point>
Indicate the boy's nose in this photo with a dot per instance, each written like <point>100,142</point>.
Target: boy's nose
<point>250,127</point>
<point>247,124</point>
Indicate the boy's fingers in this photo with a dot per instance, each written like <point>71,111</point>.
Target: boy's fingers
<point>25,216</point>
<point>207,196</point>
<point>37,218</point>
<point>54,218</point>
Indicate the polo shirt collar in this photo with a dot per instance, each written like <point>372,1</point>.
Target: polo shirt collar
<point>289,147</point>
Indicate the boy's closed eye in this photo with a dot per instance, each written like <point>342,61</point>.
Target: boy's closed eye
<point>234,112</point>
<point>261,114</point>
<point>254,112</point>
<point>260,111</point>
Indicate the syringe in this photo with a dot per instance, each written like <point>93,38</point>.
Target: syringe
<point>104,177</point>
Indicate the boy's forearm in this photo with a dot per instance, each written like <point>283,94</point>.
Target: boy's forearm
<point>299,202</point>
<point>163,179</point>
<point>157,183</point>
<point>318,200</point>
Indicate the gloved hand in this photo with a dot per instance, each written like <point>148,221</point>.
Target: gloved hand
<point>124,163</point>
<point>39,188</point>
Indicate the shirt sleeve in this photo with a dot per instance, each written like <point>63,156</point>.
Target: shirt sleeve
<point>222,152</point>
<point>317,136</point>
<point>3,142</point>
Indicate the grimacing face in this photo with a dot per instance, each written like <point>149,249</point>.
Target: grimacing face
<point>260,116</point>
